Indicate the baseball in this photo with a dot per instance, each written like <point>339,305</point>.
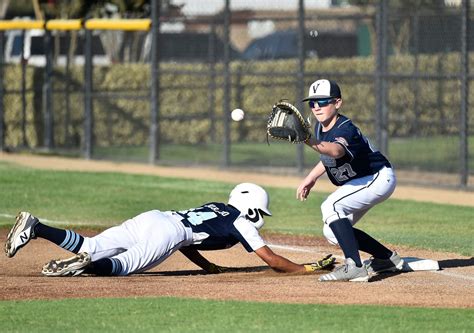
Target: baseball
<point>237,114</point>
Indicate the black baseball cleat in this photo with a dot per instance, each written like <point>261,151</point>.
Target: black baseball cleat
<point>21,233</point>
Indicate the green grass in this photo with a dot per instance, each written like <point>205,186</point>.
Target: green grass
<point>190,315</point>
<point>437,154</point>
<point>105,199</point>
<point>276,154</point>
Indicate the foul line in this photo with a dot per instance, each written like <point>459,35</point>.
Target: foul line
<point>9,216</point>
<point>299,249</point>
<point>464,277</point>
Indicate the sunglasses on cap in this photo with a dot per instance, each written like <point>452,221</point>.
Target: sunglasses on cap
<point>321,102</point>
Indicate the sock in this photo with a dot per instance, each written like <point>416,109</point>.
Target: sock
<point>371,246</point>
<point>105,267</point>
<point>344,233</point>
<point>67,239</point>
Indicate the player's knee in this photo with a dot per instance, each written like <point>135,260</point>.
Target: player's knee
<point>331,211</point>
<point>329,235</point>
<point>327,208</point>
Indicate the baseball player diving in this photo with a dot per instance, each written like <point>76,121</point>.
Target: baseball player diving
<point>146,240</point>
<point>364,176</point>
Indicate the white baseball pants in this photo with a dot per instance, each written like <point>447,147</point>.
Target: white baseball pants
<point>353,199</point>
<point>139,243</point>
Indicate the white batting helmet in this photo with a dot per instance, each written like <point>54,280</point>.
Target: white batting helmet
<point>252,200</point>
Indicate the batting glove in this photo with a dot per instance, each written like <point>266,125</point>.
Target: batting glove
<point>324,263</point>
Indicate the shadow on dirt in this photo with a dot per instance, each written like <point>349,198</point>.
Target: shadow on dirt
<point>253,269</point>
<point>452,263</point>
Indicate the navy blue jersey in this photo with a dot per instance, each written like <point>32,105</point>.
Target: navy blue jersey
<point>213,226</point>
<point>360,159</point>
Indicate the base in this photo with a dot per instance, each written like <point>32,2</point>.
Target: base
<point>418,264</point>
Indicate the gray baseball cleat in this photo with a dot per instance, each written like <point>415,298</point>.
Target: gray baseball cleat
<point>347,272</point>
<point>67,267</point>
<point>392,264</point>
<point>21,233</point>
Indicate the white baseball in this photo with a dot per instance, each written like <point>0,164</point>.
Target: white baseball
<point>237,114</point>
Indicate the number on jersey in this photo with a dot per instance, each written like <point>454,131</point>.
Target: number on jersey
<point>197,217</point>
<point>343,173</point>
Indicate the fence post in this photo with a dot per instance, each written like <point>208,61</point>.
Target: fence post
<point>227,86</point>
<point>464,77</point>
<point>300,77</point>
<point>211,97</point>
<point>154,154</point>
<point>67,111</point>
<point>88,105</point>
<point>23,90</point>
<point>48,139</point>
<point>416,73</point>
<point>2,93</point>
<point>381,77</point>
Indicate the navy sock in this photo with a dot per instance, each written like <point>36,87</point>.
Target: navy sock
<point>344,233</point>
<point>67,239</point>
<point>371,246</point>
<point>105,267</point>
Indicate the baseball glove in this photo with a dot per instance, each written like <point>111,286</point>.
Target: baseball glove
<point>325,263</point>
<point>287,123</point>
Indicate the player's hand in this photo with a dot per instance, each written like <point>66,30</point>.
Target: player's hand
<point>325,263</point>
<point>303,190</point>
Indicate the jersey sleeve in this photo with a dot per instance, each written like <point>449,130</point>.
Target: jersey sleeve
<point>248,235</point>
<point>350,139</point>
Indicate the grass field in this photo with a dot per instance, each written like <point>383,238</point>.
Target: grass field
<point>190,315</point>
<point>437,154</point>
<point>103,199</point>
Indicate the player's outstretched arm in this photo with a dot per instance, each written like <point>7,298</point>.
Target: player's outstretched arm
<point>198,259</point>
<point>281,264</point>
<point>277,262</point>
<point>332,149</point>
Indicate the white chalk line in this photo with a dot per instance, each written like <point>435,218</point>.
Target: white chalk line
<point>300,249</point>
<point>276,246</point>
<point>9,216</point>
<point>305,250</point>
<point>460,276</point>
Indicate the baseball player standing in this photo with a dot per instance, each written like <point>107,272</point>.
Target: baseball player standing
<point>146,240</point>
<point>365,178</point>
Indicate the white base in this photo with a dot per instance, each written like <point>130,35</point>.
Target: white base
<point>418,264</point>
<point>412,264</point>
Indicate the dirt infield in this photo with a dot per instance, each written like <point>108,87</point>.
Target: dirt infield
<point>453,286</point>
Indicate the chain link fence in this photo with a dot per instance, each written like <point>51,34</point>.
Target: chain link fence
<point>163,93</point>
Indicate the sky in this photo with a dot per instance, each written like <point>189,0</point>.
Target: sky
<point>203,7</point>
